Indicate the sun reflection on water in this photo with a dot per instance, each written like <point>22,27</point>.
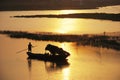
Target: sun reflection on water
<point>67,11</point>
<point>66,73</point>
<point>66,26</point>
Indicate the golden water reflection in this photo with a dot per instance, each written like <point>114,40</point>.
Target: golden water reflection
<point>85,62</point>
<point>61,25</point>
<point>91,63</point>
<point>66,73</point>
<point>67,11</point>
<point>65,25</point>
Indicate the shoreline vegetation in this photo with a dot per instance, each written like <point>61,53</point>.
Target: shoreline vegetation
<point>102,40</point>
<point>101,16</point>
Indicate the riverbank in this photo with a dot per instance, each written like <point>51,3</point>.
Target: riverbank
<point>101,16</point>
<point>86,39</point>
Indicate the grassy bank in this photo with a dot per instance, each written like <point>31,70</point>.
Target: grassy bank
<point>93,40</point>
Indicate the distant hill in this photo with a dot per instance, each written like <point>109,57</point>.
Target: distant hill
<point>54,4</point>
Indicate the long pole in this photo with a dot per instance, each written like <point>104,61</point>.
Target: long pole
<point>21,51</point>
<point>25,49</point>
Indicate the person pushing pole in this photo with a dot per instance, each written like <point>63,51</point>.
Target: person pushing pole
<point>30,47</point>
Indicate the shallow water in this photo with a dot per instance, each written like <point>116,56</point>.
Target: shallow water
<point>61,25</point>
<point>85,62</point>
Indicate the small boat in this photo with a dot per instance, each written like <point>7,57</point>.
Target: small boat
<point>46,57</point>
<point>56,54</point>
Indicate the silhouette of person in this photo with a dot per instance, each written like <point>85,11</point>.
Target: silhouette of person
<point>29,47</point>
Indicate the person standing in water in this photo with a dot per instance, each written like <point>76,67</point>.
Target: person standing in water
<point>29,47</point>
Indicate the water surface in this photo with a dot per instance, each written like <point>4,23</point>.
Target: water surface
<point>85,62</point>
<point>63,25</point>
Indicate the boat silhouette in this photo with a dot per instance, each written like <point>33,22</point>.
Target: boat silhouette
<point>56,54</point>
<point>46,57</point>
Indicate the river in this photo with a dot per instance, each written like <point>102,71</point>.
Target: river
<point>61,25</point>
<point>84,63</point>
